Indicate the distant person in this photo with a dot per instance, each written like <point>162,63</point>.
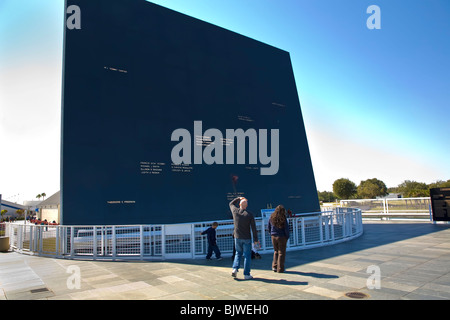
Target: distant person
<point>279,231</point>
<point>244,226</point>
<point>212,244</point>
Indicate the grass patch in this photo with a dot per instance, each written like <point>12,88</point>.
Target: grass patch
<point>48,245</point>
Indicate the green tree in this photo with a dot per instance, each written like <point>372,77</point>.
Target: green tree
<point>20,213</point>
<point>41,195</point>
<point>411,189</point>
<point>3,212</point>
<point>439,184</point>
<point>344,188</point>
<point>372,188</point>
<point>326,196</point>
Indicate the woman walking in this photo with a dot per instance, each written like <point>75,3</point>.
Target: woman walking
<point>279,230</point>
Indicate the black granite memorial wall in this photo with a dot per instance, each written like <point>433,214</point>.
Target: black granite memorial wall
<point>153,101</point>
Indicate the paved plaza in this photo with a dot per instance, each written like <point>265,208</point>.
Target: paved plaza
<point>390,261</point>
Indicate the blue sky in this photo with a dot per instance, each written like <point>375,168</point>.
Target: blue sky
<point>375,102</point>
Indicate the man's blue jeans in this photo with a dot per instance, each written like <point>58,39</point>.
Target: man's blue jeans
<point>243,247</point>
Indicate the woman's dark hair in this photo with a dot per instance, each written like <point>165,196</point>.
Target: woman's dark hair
<point>278,217</point>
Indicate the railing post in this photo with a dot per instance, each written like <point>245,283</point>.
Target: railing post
<point>344,224</point>
<point>20,237</point>
<point>103,241</point>
<point>295,230</point>
<point>303,231</point>
<point>72,250</point>
<point>141,243</point>
<point>349,223</point>
<point>41,238</point>
<point>163,241</point>
<point>37,238</point>
<point>63,241</point>
<point>94,242</point>
<point>57,240</point>
<point>263,235</point>
<point>327,229</point>
<point>31,238</point>
<point>332,218</point>
<point>359,215</point>
<point>321,229</point>
<point>113,242</point>
<point>192,240</point>
<point>387,209</point>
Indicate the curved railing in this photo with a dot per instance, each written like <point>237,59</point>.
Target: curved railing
<point>180,241</point>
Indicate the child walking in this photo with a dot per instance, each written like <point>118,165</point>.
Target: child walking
<point>212,245</point>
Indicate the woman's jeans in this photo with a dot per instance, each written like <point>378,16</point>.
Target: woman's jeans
<point>243,247</point>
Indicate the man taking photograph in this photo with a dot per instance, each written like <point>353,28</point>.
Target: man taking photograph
<point>244,227</point>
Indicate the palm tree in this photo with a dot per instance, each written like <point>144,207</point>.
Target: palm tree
<point>3,212</point>
<point>20,213</point>
<point>38,196</point>
<point>43,195</point>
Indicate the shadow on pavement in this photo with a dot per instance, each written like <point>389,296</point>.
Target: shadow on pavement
<point>375,234</point>
<point>276,281</point>
<point>312,274</point>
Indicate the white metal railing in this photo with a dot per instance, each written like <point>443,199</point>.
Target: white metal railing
<point>415,208</point>
<point>159,242</point>
<point>2,229</point>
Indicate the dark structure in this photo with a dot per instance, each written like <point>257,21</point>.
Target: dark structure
<point>440,204</point>
<point>133,74</point>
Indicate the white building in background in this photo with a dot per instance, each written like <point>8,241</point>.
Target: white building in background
<point>11,209</point>
<point>32,206</point>
<point>49,209</point>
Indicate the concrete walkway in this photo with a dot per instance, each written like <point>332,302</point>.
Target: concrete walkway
<point>398,260</point>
